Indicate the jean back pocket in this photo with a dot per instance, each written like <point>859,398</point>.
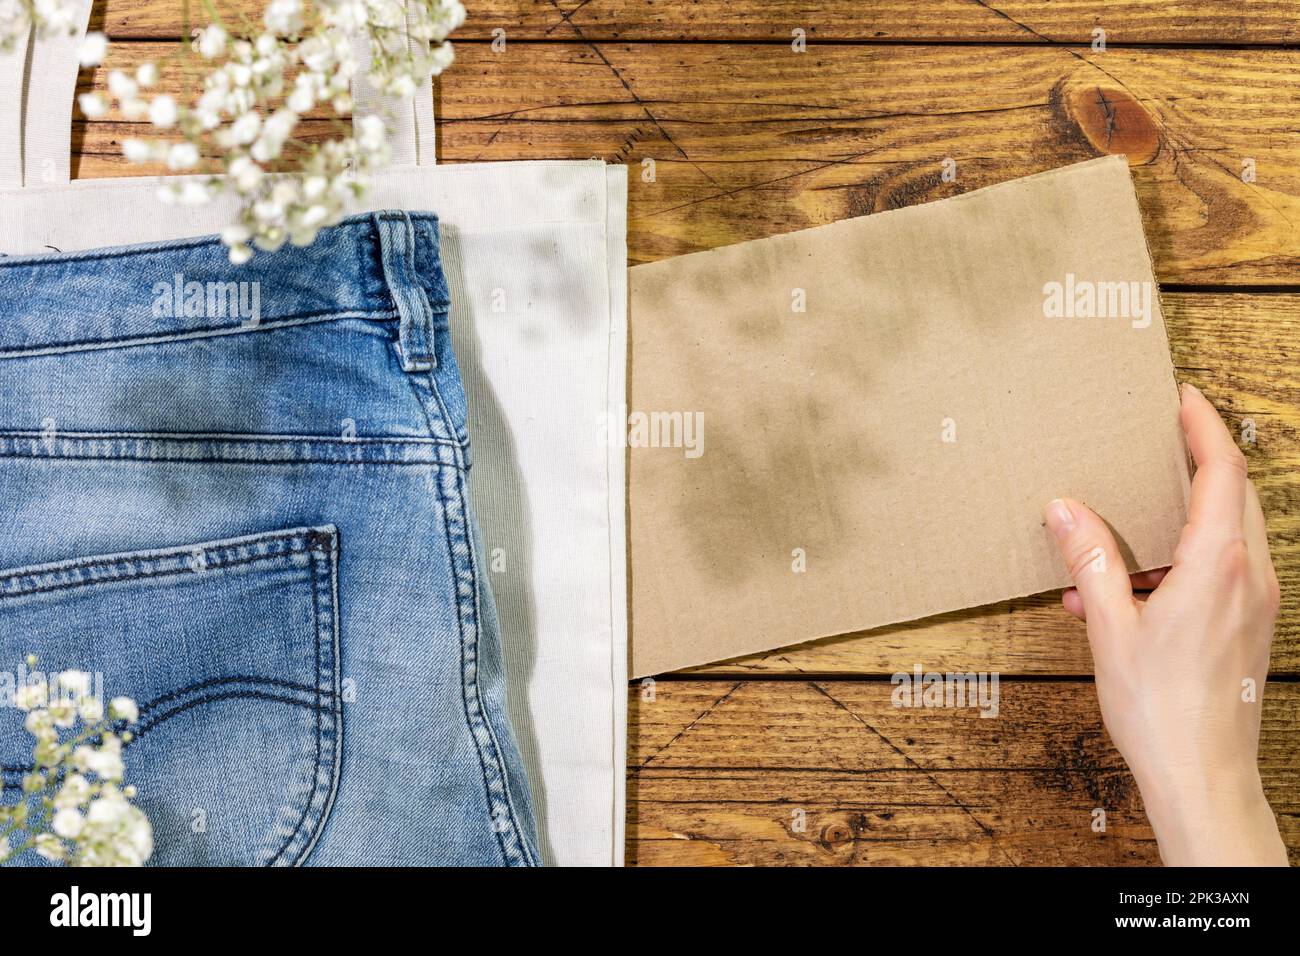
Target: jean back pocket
<point>231,649</point>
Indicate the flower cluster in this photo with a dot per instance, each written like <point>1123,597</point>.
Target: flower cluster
<point>49,17</point>
<point>256,91</point>
<point>75,808</point>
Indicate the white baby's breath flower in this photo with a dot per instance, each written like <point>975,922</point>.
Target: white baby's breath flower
<point>91,709</point>
<point>284,17</point>
<point>73,807</point>
<point>74,682</point>
<point>212,42</point>
<point>188,192</point>
<point>122,86</point>
<point>92,49</point>
<point>236,234</point>
<point>123,708</point>
<point>244,130</point>
<point>35,693</point>
<point>182,156</point>
<point>162,112</point>
<point>115,833</point>
<point>73,792</point>
<point>371,133</point>
<point>50,847</point>
<point>136,150</point>
<point>68,823</point>
<point>93,106</point>
<point>147,73</point>
<point>63,713</point>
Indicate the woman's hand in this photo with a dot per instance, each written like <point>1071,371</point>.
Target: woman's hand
<point>1180,671</point>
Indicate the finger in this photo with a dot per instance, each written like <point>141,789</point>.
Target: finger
<point>1219,486</point>
<point>1255,532</point>
<point>1147,580</point>
<point>1071,601</point>
<point>1140,582</point>
<point>1253,528</point>
<point>1092,558</point>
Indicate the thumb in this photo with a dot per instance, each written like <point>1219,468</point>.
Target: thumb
<point>1093,559</point>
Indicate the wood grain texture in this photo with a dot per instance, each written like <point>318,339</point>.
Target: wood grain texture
<point>721,772</point>
<point>748,141</point>
<point>986,21</point>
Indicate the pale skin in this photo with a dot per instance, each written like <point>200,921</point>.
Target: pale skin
<point>1171,649</point>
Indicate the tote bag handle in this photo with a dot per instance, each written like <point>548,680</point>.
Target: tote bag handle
<point>39,77</point>
<point>37,82</point>
<point>411,132</point>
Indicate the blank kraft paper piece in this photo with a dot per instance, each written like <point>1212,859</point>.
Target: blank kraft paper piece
<point>859,424</point>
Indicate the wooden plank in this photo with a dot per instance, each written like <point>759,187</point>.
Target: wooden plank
<point>831,773</point>
<point>994,21</point>
<point>748,141</point>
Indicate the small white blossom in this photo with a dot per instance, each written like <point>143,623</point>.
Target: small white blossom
<point>92,49</point>
<point>74,791</point>
<point>284,17</point>
<point>73,808</point>
<point>68,823</point>
<point>212,42</point>
<point>122,86</point>
<point>136,150</point>
<point>35,693</point>
<point>49,846</point>
<point>91,709</point>
<point>162,112</point>
<point>93,106</point>
<point>63,713</point>
<point>74,682</point>
<point>182,156</point>
<point>124,708</point>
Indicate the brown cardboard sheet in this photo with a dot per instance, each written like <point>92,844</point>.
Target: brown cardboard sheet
<point>859,424</point>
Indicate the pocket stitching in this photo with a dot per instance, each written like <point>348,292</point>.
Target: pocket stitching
<point>316,763</point>
<point>108,562</point>
<point>145,724</point>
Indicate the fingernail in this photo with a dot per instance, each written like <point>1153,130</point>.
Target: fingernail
<point>1189,387</point>
<point>1059,517</point>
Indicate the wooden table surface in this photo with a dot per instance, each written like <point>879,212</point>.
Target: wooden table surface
<point>798,756</point>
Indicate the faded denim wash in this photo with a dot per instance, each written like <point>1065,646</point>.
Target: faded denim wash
<point>246,506</point>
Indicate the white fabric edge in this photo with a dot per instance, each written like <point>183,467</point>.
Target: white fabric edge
<point>13,70</point>
<point>47,104</point>
<point>616,246</point>
<point>466,192</point>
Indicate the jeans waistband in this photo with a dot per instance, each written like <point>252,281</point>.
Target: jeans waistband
<point>383,265</point>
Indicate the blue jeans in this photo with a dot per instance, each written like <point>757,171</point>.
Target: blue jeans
<point>239,496</point>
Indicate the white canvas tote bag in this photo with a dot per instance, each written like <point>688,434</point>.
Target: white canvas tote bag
<point>535,256</point>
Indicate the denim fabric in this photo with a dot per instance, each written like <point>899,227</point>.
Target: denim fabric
<point>239,496</point>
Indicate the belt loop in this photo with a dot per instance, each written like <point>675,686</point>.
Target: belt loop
<point>397,253</point>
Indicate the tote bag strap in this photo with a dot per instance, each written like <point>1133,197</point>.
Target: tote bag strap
<point>12,67</point>
<point>411,123</point>
<point>37,82</point>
